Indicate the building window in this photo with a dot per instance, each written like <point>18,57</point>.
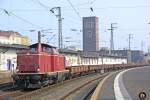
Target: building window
<point>89,25</point>
<point>90,35</point>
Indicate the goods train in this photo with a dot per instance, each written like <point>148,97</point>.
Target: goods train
<point>42,64</point>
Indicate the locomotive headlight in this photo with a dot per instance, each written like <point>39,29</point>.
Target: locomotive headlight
<point>38,69</point>
<point>17,69</point>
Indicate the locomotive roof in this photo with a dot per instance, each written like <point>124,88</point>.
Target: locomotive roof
<point>43,45</point>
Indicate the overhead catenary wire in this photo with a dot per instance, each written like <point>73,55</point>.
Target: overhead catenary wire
<point>121,7</point>
<point>9,13</point>
<point>92,10</point>
<point>92,1</point>
<point>47,8</point>
<point>66,8</point>
<point>74,8</point>
<point>41,4</point>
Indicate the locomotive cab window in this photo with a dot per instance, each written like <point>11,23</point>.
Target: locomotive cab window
<point>47,49</point>
<point>55,51</point>
<point>33,49</point>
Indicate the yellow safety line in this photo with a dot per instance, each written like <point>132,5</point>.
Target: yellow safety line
<point>99,87</point>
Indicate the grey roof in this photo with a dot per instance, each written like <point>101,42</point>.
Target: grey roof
<point>15,46</point>
<point>68,51</point>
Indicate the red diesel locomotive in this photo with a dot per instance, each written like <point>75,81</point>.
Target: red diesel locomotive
<point>39,66</point>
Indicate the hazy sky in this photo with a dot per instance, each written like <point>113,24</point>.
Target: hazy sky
<point>131,16</point>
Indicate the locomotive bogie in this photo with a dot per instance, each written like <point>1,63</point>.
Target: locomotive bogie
<point>28,80</point>
<point>32,80</point>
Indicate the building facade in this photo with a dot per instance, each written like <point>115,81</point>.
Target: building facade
<point>11,37</point>
<point>10,42</point>
<point>137,56</point>
<point>90,34</point>
<point>75,58</point>
<point>8,56</point>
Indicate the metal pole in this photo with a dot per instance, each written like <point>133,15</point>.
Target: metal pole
<point>39,37</point>
<point>130,37</point>
<point>39,41</point>
<point>60,41</point>
<point>112,38</point>
<point>129,51</point>
<point>142,45</point>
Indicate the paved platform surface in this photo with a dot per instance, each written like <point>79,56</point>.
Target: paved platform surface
<point>107,90</point>
<point>5,76</point>
<point>126,85</point>
<point>136,81</point>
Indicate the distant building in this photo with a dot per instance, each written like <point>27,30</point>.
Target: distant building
<point>11,37</point>
<point>147,58</point>
<point>90,34</point>
<point>136,55</point>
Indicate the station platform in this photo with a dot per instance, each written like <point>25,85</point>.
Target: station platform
<point>129,84</point>
<point>5,76</point>
<point>105,90</point>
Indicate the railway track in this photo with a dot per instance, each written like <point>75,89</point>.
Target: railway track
<point>11,95</point>
<point>5,85</point>
<point>6,93</point>
<point>83,93</point>
<point>88,88</point>
<point>53,90</point>
<point>61,90</point>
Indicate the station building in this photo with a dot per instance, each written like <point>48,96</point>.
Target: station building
<point>10,42</point>
<point>11,37</point>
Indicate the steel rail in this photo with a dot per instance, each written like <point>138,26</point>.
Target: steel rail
<point>27,96</point>
<point>80,87</point>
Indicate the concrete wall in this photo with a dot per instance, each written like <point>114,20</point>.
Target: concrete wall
<point>71,60</point>
<point>75,59</point>
<point>114,60</point>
